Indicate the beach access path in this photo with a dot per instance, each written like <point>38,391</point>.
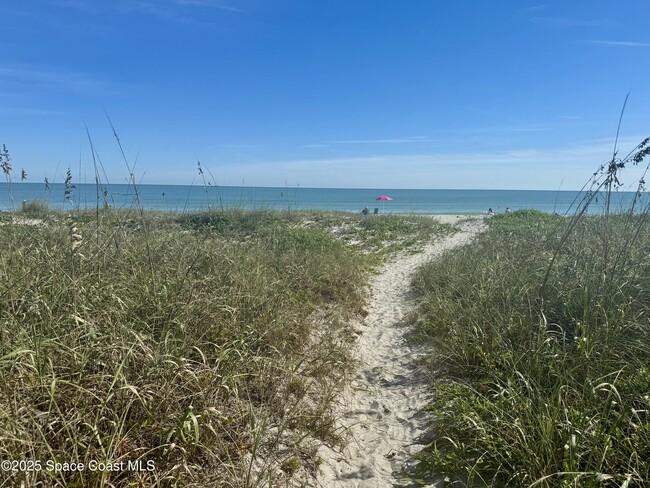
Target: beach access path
<point>381,411</point>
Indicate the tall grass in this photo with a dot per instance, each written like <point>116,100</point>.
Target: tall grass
<point>210,346</point>
<point>541,349</point>
<point>98,364</point>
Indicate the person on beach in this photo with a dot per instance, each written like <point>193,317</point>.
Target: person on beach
<point>365,210</point>
<point>490,211</point>
<point>508,210</point>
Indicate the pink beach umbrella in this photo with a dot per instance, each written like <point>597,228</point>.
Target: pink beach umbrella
<point>382,199</point>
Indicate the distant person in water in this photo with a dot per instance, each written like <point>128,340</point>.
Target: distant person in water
<point>365,210</point>
<point>490,211</point>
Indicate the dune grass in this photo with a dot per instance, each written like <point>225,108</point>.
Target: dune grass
<point>378,236</point>
<point>542,371</point>
<point>207,347</point>
<point>541,346</point>
<point>105,357</point>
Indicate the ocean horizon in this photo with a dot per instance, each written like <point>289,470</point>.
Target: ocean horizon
<point>184,198</point>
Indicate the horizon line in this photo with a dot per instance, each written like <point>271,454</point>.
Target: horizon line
<point>299,187</point>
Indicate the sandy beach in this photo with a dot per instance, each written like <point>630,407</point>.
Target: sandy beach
<point>381,409</point>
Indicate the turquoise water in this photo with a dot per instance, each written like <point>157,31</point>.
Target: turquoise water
<point>188,198</point>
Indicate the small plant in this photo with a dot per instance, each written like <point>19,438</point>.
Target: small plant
<point>35,209</point>
<point>291,466</point>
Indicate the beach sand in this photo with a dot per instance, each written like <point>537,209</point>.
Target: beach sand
<point>381,411</point>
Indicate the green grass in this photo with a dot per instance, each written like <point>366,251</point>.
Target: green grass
<point>209,344</point>
<point>541,385</point>
<point>390,233</point>
<point>35,209</point>
<point>184,360</point>
<point>380,236</point>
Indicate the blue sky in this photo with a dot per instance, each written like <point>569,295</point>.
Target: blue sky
<point>336,93</point>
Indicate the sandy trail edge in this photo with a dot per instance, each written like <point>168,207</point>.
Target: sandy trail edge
<point>381,410</point>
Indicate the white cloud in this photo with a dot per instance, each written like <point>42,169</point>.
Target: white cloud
<point>27,80</point>
<point>526,169</point>
<point>534,8</point>
<point>22,76</point>
<point>32,111</point>
<point>396,140</point>
<point>617,43</point>
<point>496,129</point>
<point>208,3</point>
<point>572,22</point>
<point>176,10</point>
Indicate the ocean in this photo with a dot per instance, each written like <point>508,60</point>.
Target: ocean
<point>181,198</point>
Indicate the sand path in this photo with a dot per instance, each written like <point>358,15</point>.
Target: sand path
<point>381,410</point>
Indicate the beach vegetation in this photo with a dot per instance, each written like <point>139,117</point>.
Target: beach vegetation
<point>540,348</point>
<point>210,346</point>
<point>7,169</point>
<point>201,366</point>
<point>390,233</point>
<point>379,236</point>
<point>35,209</point>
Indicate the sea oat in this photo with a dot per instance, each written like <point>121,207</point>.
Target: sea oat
<point>75,238</point>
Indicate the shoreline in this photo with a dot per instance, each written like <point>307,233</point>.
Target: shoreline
<point>176,198</point>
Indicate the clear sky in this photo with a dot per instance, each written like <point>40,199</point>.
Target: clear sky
<point>325,93</point>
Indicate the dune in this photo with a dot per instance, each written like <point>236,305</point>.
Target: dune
<point>381,410</point>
